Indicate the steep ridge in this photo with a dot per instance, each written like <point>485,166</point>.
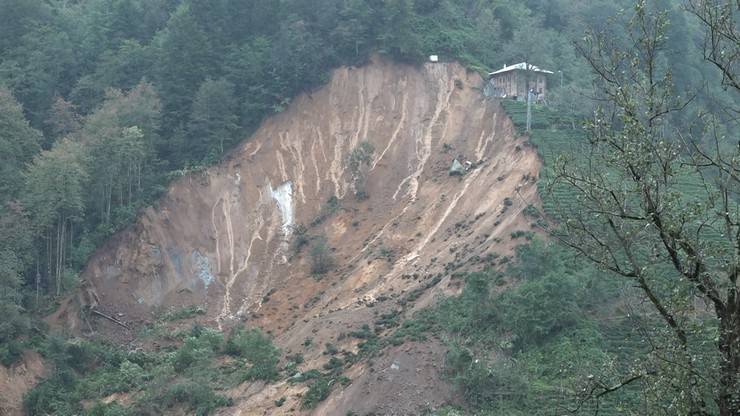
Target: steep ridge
<point>221,238</point>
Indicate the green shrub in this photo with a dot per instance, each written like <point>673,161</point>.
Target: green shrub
<point>258,350</point>
<point>131,373</point>
<point>10,352</point>
<point>331,206</point>
<point>322,260</point>
<point>198,396</point>
<point>531,211</point>
<point>13,323</point>
<point>183,313</point>
<point>198,348</point>
<point>334,364</point>
<point>85,370</point>
<point>296,358</point>
<point>317,392</point>
<point>331,349</point>
<point>359,161</point>
<point>540,308</point>
<point>386,253</point>
<point>183,359</point>
<point>311,374</point>
<point>109,409</point>
<point>55,396</point>
<point>79,355</point>
<point>363,333</point>
<point>300,238</point>
<point>483,383</point>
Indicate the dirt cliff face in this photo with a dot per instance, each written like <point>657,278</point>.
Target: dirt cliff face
<point>222,238</point>
<point>17,380</point>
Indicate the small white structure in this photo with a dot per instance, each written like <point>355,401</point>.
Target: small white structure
<point>514,81</point>
<point>433,58</point>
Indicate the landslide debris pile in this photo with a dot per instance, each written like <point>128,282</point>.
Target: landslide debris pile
<point>241,240</point>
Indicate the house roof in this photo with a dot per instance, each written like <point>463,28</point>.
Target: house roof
<point>522,66</point>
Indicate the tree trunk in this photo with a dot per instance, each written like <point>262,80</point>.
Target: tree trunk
<point>130,183</point>
<point>57,274</point>
<point>108,197</point>
<point>38,279</point>
<point>63,260</point>
<point>729,347</point>
<point>138,178</point>
<point>48,257</point>
<point>70,242</point>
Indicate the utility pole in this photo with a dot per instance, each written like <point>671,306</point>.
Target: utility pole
<point>529,110</point>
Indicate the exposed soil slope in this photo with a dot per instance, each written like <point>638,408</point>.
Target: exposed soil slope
<point>221,238</point>
<point>17,380</point>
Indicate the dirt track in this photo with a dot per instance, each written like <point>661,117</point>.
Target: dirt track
<point>221,238</point>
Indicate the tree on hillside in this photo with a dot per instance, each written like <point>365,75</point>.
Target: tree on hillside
<point>16,253</point>
<point>19,17</point>
<point>184,59</point>
<point>353,30</point>
<point>299,60</point>
<point>657,207</point>
<point>54,185</point>
<point>359,164</point>
<point>63,118</point>
<point>722,37</point>
<point>322,259</point>
<point>121,68</point>
<point>396,35</point>
<point>40,66</point>
<point>213,120</point>
<point>120,141</point>
<point>19,142</point>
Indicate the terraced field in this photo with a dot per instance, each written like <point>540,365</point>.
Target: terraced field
<point>619,336</point>
<point>553,135</point>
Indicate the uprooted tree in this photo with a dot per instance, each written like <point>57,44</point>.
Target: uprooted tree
<point>660,206</point>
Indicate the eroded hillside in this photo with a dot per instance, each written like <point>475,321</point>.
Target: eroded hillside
<point>223,238</point>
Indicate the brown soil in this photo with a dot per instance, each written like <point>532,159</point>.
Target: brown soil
<point>404,381</point>
<point>219,238</point>
<point>17,380</point>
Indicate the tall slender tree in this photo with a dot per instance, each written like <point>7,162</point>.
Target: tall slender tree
<point>213,120</point>
<point>54,190</point>
<point>184,61</point>
<point>19,142</point>
<point>120,141</point>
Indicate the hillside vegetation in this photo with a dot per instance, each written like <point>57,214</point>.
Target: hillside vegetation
<point>626,307</point>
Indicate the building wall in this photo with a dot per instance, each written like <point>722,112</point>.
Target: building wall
<point>540,85</point>
<point>506,84</point>
<point>514,84</point>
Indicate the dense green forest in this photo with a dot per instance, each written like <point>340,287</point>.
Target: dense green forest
<point>102,102</point>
